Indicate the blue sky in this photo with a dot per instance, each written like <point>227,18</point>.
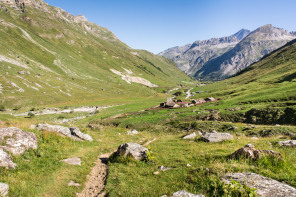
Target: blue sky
<point>156,25</point>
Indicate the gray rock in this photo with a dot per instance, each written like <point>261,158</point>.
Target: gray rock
<point>190,136</point>
<point>76,132</point>
<point>17,141</point>
<point>73,133</point>
<point>287,143</point>
<point>265,186</point>
<point>210,99</point>
<point>250,152</point>
<point>76,161</point>
<point>132,132</point>
<point>216,137</point>
<point>185,194</point>
<point>198,101</point>
<point>4,188</point>
<point>5,160</point>
<point>133,150</point>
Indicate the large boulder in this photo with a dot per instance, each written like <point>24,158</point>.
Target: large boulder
<point>17,141</point>
<point>250,152</point>
<point>5,160</point>
<point>73,133</point>
<point>170,103</point>
<point>287,143</point>
<point>134,150</point>
<point>185,194</point>
<point>216,137</point>
<point>4,188</point>
<point>266,187</point>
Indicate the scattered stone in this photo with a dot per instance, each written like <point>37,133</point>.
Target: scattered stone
<point>266,187</point>
<point>188,165</point>
<point>73,133</point>
<point>198,101</point>
<point>190,136</point>
<point>4,188</point>
<point>169,104</point>
<point>133,150</point>
<point>255,138</point>
<point>72,183</point>
<point>17,141</point>
<point>250,152</point>
<point>5,160</point>
<point>76,161</point>
<point>32,127</point>
<point>185,194</point>
<point>277,125</point>
<point>132,132</point>
<point>287,143</point>
<point>216,137</point>
<point>210,99</point>
<point>21,72</point>
<point>156,173</point>
<point>76,132</point>
<point>162,168</point>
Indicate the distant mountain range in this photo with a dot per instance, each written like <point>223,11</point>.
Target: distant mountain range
<point>219,58</point>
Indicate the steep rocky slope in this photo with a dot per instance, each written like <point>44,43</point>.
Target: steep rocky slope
<point>191,58</point>
<point>48,55</point>
<point>257,44</point>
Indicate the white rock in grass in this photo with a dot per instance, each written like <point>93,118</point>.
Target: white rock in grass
<point>132,132</point>
<point>5,160</point>
<point>185,194</point>
<point>4,188</point>
<point>76,161</point>
<point>287,143</point>
<point>190,136</point>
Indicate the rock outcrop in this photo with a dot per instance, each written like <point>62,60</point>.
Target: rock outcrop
<point>287,143</point>
<point>250,152</point>
<point>216,137</point>
<point>133,150</point>
<point>4,188</point>
<point>5,160</point>
<point>17,141</point>
<point>73,133</point>
<point>264,186</point>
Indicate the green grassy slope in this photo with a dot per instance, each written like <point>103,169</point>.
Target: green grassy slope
<point>70,61</point>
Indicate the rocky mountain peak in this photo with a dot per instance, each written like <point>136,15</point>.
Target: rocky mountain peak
<point>270,30</point>
<point>241,34</point>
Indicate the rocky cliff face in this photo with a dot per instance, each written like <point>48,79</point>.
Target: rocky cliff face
<point>249,50</point>
<point>191,58</point>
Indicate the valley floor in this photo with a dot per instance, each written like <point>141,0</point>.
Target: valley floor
<point>196,166</point>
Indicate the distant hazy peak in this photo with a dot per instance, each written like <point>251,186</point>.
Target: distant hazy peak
<point>241,34</point>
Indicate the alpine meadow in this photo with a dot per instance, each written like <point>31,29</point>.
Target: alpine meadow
<point>84,114</point>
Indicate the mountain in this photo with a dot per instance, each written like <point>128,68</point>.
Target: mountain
<point>48,55</point>
<point>270,80</point>
<point>249,50</point>
<point>190,58</point>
